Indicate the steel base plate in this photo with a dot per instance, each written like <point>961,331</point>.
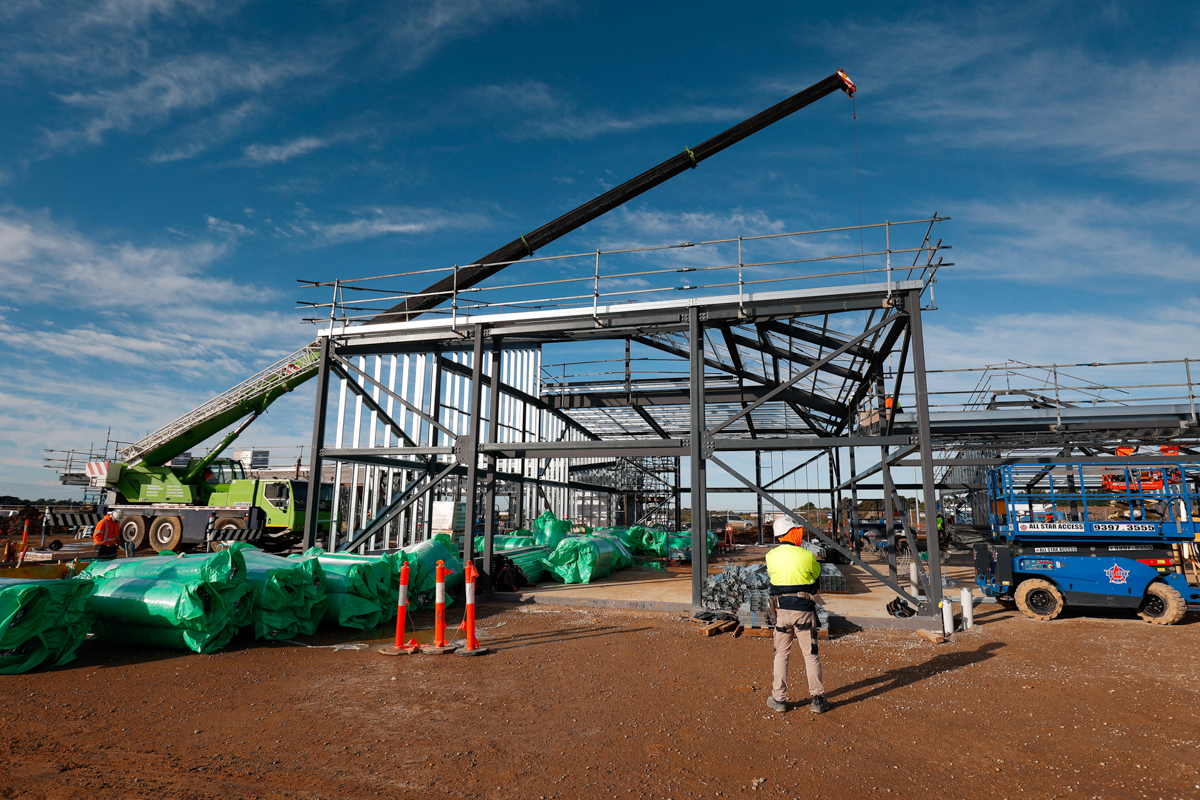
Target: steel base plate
<point>429,649</point>
<point>462,651</point>
<point>398,651</point>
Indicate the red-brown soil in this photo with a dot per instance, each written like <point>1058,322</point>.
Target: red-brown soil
<point>579,704</point>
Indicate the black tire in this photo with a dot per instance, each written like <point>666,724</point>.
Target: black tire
<point>165,533</point>
<point>133,529</point>
<point>1162,605</point>
<point>1039,599</point>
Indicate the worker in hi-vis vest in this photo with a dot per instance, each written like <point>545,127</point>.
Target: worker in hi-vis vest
<point>794,572</point>
<point>106,535</point>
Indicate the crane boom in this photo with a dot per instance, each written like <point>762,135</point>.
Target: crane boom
<point>256,393</point>
<point>251,395</point>
<point>526,245</point>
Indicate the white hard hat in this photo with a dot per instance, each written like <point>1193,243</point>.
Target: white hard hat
<point>782,525</point>
<point>115,513</point>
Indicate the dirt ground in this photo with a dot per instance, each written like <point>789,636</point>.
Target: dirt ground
<point>579,704</point>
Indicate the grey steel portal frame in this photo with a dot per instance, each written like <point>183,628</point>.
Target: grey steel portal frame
<point>766,371</point>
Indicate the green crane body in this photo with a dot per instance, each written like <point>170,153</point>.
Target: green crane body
<point>147,477</point>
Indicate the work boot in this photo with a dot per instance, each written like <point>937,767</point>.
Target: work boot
<point>819,704</point>
<point>777,706</point>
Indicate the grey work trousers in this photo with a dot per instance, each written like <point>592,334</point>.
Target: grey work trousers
<point>800,628</point>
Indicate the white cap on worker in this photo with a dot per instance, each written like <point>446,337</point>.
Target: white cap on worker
<point>782,525</point>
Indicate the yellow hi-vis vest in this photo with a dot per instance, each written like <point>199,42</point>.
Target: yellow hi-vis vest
<point>789,565</point>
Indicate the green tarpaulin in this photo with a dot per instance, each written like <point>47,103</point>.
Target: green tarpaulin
<point>581,559</point>
<point>42,622</point>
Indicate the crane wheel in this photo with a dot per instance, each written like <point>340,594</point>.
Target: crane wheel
<point>1162,605</point>
<point>1039,599</point>
<point>133,529</point>
<point>165,533</point>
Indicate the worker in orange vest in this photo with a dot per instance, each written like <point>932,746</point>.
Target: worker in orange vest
<point>106,536</point>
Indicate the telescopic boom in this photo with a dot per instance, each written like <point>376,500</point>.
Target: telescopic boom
<point>523,246</point>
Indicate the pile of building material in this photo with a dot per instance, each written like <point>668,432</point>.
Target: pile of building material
<point>359,590</point>
<point>529,561</point>
<point>549,530</point>
<point>178,602</point>
<point>42,622</point>
<point>581,559</point>
<point>832,580</point>
<point>502,543</point>
<point>422,562</point>
<point>290,598</point>
<point>728,589</point>
<point>622,557</point>
<point>752,613</point>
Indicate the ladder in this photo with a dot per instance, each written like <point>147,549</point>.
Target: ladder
<point>296,368</point>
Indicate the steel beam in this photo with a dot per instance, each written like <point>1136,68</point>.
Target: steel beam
<point>489,503</point>
<point>524,397</point>
<point>696,458</point>
<point>913,306</point>
<point>345,364</point>
<point>471,453</point>
<point>318,442</point>
<point>805,373</point>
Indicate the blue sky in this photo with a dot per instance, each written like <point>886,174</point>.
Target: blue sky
<point>168,168</point>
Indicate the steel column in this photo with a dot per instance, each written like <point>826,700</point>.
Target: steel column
<point>470,449</point>
<point>489,502</point>
<point>318,442</point>
<point>758,482</point>
<point>925,440</point>
<point>854,531</point>
<point>888,489</point>
<point>699,479</point>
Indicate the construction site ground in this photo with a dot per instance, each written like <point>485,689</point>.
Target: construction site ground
<point>583,703</point>
<point>668,587</point>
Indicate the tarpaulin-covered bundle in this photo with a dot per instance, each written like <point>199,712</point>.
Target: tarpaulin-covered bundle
<point>631,537</point>
<point>549,530</point>
<point>42,622</point>
<point>359,589</point>
<point>580,559</point>
<point>662,543</point>
<point>393,561</point>
<point>224,571</point>
<point>622,557</point>
<point>529,561</point>
<point>427,554</point>
<point>290,595</point>
<point>155,612</point>
<point>504,543</point>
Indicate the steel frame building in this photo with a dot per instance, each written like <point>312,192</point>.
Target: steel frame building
<point>787,370</point>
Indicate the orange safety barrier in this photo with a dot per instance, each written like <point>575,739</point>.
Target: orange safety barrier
<point>439,645</point>
<point>472,648</point>
<point>400,647</point>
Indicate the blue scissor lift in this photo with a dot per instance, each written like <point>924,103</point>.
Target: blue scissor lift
<point>1086,534</point>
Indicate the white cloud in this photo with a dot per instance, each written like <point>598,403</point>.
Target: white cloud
<point>1061,240</point>
<point>420,28</point>
<point>140,335</point>
<point>994,79</point>
<point>541,112</point>
<point>233,229</point>
<point>388,221</point>
<point>187,83</point>
<point>268,154</point>
<point>1071,338</point>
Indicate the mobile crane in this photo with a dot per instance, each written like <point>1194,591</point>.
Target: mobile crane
<point>176,506</point>
<point>1086,534</point>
